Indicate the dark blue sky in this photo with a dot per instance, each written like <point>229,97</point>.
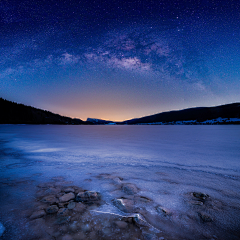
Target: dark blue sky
<point>119,59</point>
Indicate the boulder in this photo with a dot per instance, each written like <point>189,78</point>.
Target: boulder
<point>140,221</point>
<point>67,197</point>
<point>124,205</point>
<point>71,205</point>
<point>200,196</point>
<point>52,209</point>
<point>88,197</point>
<point>129,188</point>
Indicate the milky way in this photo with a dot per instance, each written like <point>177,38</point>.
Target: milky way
<point>119,60</point>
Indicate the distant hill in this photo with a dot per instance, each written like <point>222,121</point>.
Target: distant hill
<point>14,113</point>
<point>100,121</point>
<point>224,114</point>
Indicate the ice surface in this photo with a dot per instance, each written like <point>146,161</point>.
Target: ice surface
<point>166,163</point>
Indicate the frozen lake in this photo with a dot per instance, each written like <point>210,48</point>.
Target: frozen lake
<point>167,164</point>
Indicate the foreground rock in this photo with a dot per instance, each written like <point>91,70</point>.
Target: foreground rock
<point>88,197</point>
<point>129,188</point>
<point>67,197</point>
<point>52,209</point>
<point>124,205</point>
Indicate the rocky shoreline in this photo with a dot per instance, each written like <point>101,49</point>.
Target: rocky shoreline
<point>64,211</point>
<point>70,212</point>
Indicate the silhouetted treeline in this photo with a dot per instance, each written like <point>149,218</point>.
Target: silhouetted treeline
<point>200,114</point>
<point>14,113</point>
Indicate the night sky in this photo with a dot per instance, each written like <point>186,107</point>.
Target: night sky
<point>119,59</point>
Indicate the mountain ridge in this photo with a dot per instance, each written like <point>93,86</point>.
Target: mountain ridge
<point>17,113</point>
<point>197,114</point>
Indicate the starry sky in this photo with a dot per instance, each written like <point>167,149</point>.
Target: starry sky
<point>119,59</point>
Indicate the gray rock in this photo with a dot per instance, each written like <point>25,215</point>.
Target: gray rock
<point>71,205</point>
<point>52,209</point>
<point>38,214</point>
<point>139,221</point>
<point>67,197</point>
<point>200,196</point>
<point>124,205</point>
<point>129,188</point>
<point>88,197</point>
<point>2,229</point>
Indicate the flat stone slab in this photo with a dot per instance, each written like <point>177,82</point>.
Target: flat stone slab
<point>67,197</point>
